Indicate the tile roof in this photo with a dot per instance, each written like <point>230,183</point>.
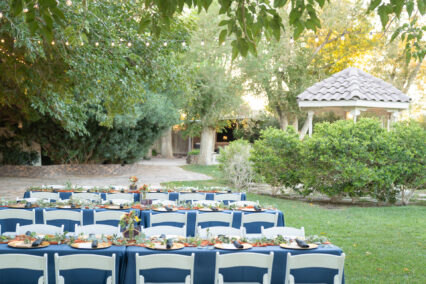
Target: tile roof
<point>353,84</point>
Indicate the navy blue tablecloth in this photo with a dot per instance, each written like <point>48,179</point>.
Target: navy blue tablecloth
<point>80,276</point>
<point>209,196</point>
<point>205,266</point>
<point>9,225</point>
<point>236,223</point>
<point>67,195</point>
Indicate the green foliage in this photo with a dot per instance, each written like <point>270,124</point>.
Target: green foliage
<point>250,129</point>
<point>126,142</point>
<point>194,152</point>
<point>235,164</point>
<point>12,152</point>
<point>277,157</point>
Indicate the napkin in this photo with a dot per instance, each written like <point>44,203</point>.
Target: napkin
<point>36,243</point>
<point>302,243</point>
<point>238,245</point>
<point>28,205</point>
<point>169,244</point>
<point>257,208</point>
<point>94,243</point>
<point>28,233</point>
<point>163,236</point>
<point>168,208</point>
<point>215,209</point>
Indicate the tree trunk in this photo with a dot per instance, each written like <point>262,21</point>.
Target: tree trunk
<point>283,120</point>
<point>296,124</point>
<point>206,146</point>
<point>166,144</point>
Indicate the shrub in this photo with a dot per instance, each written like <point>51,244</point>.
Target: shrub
<point>250,129</point>
<point>12,153</point>
<point>277,157</point>
<point>235,164</point>
<point>194,152</point>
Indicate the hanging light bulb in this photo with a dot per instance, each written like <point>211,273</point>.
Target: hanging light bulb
<point>112,44</point>
<point>1,15</point>
<point>25,10</point>
<point>165,43</point>
<point>342,37</point>
<point>202,42</point>
<point>147,43</point>
<point>67,43</point>
<point>96,44</point>
<point>53,42</point>
<point>39,42</point>
<point>291,40</point>
<point>129,44</point>
<point>2,40</point>
<point>82,43</point>
<point>35,6</point>
<point>370,36</point>
<point>69,3</point>
<point>183,44</point>
<point>223,43</point>
<point>316,39</point>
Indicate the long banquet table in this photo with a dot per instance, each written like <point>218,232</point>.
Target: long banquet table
<point>80,276</point>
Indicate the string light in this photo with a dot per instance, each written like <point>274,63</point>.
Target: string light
<point>223,43</point>
<point>370,36</point>
<point>147,43</point>
<point>82,43</point>
<point>112,44</point>
<point>2,40</point>
<point>202,42</point>
<point>316,39</point>
<point>35,6</point>
<point>129,44</point>
<point>69,3</point>
<point>183,44</point>
<point>342,37</point>
<point>25,10</point>
<point>39,42</point>
<point>67,43</point>
<point>53,42</point>
<point>96,44</point>
<point>1,15</point>
<point>291,40</point>
<point>165,43</point>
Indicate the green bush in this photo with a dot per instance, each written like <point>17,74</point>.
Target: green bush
<point>12,153</point>
<point>277,157</point>
<point>235,164</point>
<point>194,152</point>
<point>250,129</point>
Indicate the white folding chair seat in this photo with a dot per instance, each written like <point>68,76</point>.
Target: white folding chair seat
<point>51,215</point>
<point>168,217</point>
<point>317,260</point>
<point>157,195</point>
<point>243,203</point>
<point>214,217</point>
<point>213,232</point>
<point>18,214</point>
<point>86,196</point>
<point>228,197</point>
<point>121,196</point>
<point>205,203</point>
<point>39,229</point>
<point>164,202</point>
<point>288,232</point>
<point>45,195</point>
<point>170,261</point>
<point>97,229</point>
<point>84,261</point>
<point>166,230</point>
<point>25,261</point>
<point>192,196</point>
<point>244,259</point>
<point>106,215</point>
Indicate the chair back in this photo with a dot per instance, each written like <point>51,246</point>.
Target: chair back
<point>173,261</point>
<point>166,230</point>
<point>318,260</point>
<point>192,196</point>
<point>84,261</point>
<point>124,196</point>
<point>28,215</point>
<point>106,215</point>
<point>259,217</point>
<point>167,217</point>
<point>45,195</point>
<point>243,203</point>
<point>227,197</point>
<point>97,229</point>
<point>214,217</point>
<point>86,196</point>
<point>221,230</point>
<point>25,261</point>
<point>157,195</point>
<point>50,215</point>
<point>244,259</point>
<point>39,229</point>
<point>273,232</point>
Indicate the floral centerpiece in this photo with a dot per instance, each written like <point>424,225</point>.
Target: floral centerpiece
<point>129,223</point>
<point>133,181</point>
<point>143,190</point>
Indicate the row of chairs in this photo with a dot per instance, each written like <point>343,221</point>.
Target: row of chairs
<point>100,216</point>
<point>173,261</point>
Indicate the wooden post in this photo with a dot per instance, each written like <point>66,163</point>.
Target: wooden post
<point>307,125</point>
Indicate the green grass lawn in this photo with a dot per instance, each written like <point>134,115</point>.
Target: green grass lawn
<point>382,244</point>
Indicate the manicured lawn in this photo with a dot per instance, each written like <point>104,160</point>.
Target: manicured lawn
<point>382,244</point>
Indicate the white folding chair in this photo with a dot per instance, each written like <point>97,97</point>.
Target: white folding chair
<point>205,203</point>
<point>166,230</point>
<point>172,261</point>
<point>97,229</point>
<point>290,232</point>
<point>244,259</point>
<point>76,216</point>
<point>213,232</point>
<point>164,202</point>
<point>18,214</point>
<point>121,196</point>
<point>167,217</point>
<point>39,229</point>
<point>247,218</point>
<point>25,261</point>
<point>214,217</point>
<point>228,197</point>
<point>84,261</point>
<point>86,196</point>
<point>318,260</point>
<point>157,195</point>
<point>99,216</point>
<point>243,203</point>
<point>192,196</point>
<point>45,195</point>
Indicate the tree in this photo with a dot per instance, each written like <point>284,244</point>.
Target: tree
<point>246,20</point>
